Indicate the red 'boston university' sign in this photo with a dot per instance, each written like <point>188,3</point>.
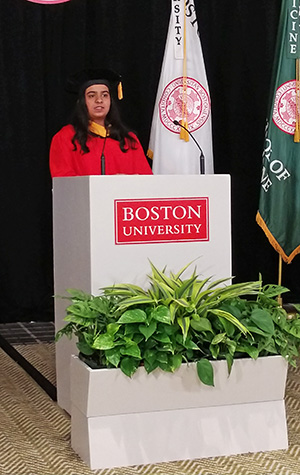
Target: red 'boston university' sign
<point>161,220</point>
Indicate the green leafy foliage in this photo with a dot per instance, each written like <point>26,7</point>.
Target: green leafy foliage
<point>180,320</point>
<point>205,372</point>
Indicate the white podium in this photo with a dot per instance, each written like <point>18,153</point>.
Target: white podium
<point>107,228</point>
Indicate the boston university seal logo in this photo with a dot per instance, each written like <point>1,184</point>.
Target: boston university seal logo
<point>284,112</point>
<point>171,102</point>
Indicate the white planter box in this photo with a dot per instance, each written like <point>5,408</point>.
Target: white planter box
<point>118,421</point>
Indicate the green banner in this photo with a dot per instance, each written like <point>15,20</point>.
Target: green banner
<point>279,204</point>
<point>293,29</point>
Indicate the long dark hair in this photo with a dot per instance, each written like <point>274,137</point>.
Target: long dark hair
<point>117,130</point>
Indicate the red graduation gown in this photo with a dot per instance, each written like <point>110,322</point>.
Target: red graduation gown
<point>64,161</point>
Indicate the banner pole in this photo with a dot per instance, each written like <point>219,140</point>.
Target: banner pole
<point>279,298</point>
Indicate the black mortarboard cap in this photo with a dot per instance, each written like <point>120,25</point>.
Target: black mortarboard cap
<point>81,80</point>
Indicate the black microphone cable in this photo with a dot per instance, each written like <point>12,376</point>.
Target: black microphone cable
<point>202,159</point>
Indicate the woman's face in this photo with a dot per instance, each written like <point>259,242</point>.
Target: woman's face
<point>97,99</point>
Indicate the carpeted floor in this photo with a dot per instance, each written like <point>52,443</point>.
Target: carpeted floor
<point>41,356</point>
<point>35,432</point>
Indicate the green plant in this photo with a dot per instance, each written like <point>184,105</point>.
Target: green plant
<point>180,320</point>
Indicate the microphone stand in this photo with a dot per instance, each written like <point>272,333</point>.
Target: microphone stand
<point>103,157</point>
<point>202,159</point>
<point>102,164</point>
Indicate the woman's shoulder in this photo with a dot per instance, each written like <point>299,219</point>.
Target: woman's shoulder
<point>132,140</point>
<point>133,135</point>
<point>65,132</point>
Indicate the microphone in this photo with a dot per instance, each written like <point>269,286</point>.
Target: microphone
<point>103,157</point>
<point>202,160</point>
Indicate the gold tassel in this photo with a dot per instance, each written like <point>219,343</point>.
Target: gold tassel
<point>120,91</point>
<point>183,133</point>
<point>150,153</point>
<point>296,133</point>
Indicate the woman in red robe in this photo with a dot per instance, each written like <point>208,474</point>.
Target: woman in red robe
<point>96,142</point>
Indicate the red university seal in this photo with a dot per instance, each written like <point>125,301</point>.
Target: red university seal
<point>284,111</point>
<point>171,102</point>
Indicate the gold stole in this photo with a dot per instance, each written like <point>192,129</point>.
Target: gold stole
<point>98,129</point>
